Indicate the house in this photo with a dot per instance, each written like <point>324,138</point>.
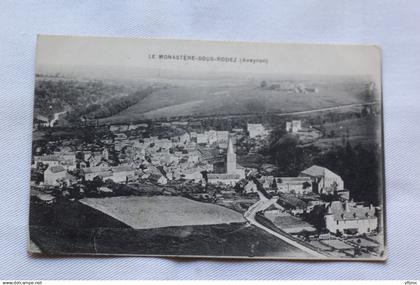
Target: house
<point>93,158</point>
<point>116,173</point>
<point>324,181</point>
<point>122,173</point>
<point>51,160</point>
<point>250,187</point>
<point>202,138</point>
<point>193,174</point>
<point>256,130</point>
<point>212,136</point>
<point>194,156</point>
<point>158,178</point>
<point>41,121</point>
<point>294,126</point>
<point>91,172</point>
<point>223,178</point>
<point>297,185</point>
<point>222,136</point>
<point>184,138</point>
<point>53,175</point>
<point>292,203</point>
<point>163,143</point>
<point>350,218</point>
<point>267,182</point>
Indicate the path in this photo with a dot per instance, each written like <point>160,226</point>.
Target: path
<point>263,204</point>
<point>56,117</point>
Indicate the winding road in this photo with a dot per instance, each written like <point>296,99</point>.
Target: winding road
<point>263,204</point>
<point>56,117</point>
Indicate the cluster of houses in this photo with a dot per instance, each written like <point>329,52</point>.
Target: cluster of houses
<point>160,160</point>
<point>301,194</point>
<point>152,158</point>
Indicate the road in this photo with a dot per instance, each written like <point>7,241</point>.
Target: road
<point>263,204</point>
<point>328,109</point>
<point>56,117</point>
<point>293,113</point>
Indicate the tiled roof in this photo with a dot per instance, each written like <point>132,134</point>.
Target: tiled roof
<point>339,211</point>
<point>122,168</point>
<point>314,170</point>
<point>56,169</point>
<point>293,179</point>
<point>48,158</point>
<point>223,176</point>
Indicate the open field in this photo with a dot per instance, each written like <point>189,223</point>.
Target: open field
<point>290,224</point>
<point>239,97</point>
<point>161,211</point>
<point>74,228</point>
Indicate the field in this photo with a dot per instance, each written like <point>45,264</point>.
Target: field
<point>239,97</point>
<point>74,228</point>
<point>161,211</point>
<point>289,223</point>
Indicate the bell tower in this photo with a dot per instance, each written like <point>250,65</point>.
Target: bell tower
<point>230,159</point>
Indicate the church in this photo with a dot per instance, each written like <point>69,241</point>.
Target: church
<point>234,172</point>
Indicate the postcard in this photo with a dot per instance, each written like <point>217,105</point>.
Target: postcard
<point>207,149</point>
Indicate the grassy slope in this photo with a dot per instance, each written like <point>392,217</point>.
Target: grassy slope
<point>237,97</point>
<point>161,211</point>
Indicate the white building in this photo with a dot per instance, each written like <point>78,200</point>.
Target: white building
<point>212,136</point>
<point>51,160</point>
<point>349,218</point>
<point>202,138</point>
<point>158,178</point>
<point>294,126</point>
<point>250,187</point>
<point>117,173</point>
<point>297,185</point>
<point>54,174</point>
<point>222,136</point>
<point>184,138</point>
<point>324,181</point>
<point>256,130</point>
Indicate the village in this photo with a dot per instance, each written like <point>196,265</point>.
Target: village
<point>313,208</point>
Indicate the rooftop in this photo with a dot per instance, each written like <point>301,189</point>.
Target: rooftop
<point>223,176</point>
<point>56,169</point>
<point>317,171</point>
<point>347,211</point>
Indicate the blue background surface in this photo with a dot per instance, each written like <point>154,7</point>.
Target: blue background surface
<point>393,25</point>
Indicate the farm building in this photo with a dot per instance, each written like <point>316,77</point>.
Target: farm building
<point>54,174</point>
<point>324,181</point>
<point>350,218</point>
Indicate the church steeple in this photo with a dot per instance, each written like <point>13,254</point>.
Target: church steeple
<point>230,147</point>
<point>230,159</point>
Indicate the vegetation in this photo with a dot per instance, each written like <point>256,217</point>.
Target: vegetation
<point>55,95</point>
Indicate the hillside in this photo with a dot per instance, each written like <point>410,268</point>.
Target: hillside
<point>156,212</point>
<point>240,97</point>
<point>118,102</point>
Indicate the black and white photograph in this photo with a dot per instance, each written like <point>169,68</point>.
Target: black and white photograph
<point>207,149</point>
